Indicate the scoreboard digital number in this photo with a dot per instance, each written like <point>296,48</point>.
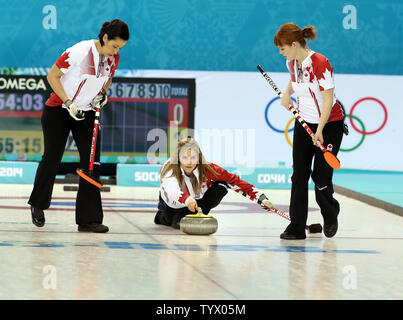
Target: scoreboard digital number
<point>22,99</point>
<point>135,106</point>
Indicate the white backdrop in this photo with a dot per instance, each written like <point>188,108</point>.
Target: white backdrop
<point>231,124</point>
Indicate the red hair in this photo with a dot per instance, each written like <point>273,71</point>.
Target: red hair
<point>290,32</point>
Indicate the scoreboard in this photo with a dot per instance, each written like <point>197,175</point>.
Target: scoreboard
<point>135,107</point>
<point>22,99</point>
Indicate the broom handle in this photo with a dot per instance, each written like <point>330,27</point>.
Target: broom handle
<point>94,138</point>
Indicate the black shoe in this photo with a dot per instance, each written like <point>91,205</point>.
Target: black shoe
<point>293,232</point>
<point>157,217</point>
<point>38,217</point>
<point>289,235</point>
<point>93,227</point>
<point>330,229</point>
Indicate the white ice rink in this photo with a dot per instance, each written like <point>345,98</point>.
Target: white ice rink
<point>245,259</point>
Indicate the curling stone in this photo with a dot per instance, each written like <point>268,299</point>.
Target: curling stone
<point>198,223</point>
<point>315,228</point>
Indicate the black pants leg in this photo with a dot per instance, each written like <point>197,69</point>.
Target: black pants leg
<point>88,200</point>
<point>56,125</point>
<point>213,196</point>
<point>322,173</point>
<point>169,216</point>
<point>56,128</point>
<point>303,153</point>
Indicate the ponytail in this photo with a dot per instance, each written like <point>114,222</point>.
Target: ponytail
<point>290,32</point>
<point>114,29</point>
<point>309,32</point>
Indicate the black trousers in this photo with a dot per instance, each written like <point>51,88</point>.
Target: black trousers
<point>56,126</point>
<point>303,153</point>
<point>171,217</point>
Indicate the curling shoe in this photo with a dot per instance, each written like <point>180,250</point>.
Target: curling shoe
<point>93,227</point>
<point>293,233</point>
<point>288,235</point>
<point>157,219</point>
<point>38,217</point>
<point>330,229</point>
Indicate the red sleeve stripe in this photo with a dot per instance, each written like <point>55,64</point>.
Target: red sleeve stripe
<point>315,100</point>
<point>79,89</point>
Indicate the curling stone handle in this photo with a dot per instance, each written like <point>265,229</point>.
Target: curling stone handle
<point>199,214</point>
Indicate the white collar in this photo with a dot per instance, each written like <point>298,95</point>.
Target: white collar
<point>195,172</point>
<point>307,60</point>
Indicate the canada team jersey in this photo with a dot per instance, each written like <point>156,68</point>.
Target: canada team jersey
<point>314,76</point>
<point>177,197</point>
<point>84,75</point>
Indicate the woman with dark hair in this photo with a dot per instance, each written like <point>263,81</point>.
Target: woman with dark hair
<point>189,184</point>
<point>312,81</point>
<point>80,79</point>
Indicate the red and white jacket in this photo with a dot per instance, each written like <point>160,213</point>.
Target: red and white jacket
<point>174,197</point>
<point>84,75</point>
<point>314,76</point>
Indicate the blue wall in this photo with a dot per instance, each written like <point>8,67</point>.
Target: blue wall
<point>207,34</point>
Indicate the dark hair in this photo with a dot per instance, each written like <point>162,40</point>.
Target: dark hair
<point>114,29</point>
<point>290,32</point>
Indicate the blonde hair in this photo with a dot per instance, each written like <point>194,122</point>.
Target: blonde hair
<point>174,164</point>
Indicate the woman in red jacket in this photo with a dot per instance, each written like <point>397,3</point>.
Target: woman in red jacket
<point>189,184</point>
<point>311,79</point>
<point>79,78</point>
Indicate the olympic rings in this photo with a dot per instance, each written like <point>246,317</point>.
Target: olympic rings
<point>345,150</point>
<point>362,137</point>
<point>351,116</point>
<point>267,118</point>
<point>286,131</point>
<point>383,123</point>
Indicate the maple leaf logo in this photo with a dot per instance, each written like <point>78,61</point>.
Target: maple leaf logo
<point>62,62</point>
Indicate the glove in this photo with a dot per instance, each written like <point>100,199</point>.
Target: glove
<point>74,112</point>
<point>264,202</point>
<point>101,99</point>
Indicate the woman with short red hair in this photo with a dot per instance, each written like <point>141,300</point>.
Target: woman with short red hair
<point>312,82</point>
